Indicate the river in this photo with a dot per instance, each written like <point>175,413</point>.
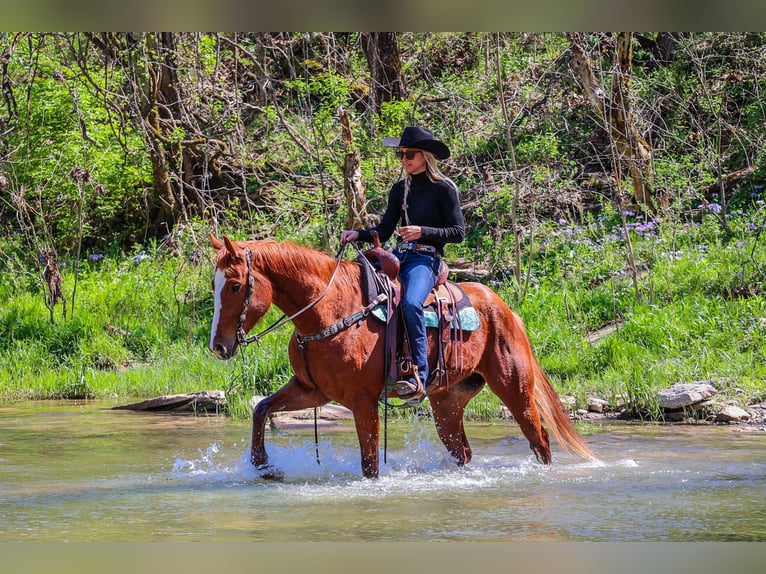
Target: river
<point>82,472</point>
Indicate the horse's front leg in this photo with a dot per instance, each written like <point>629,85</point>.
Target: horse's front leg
<point>367,422</point>
<point>292,397</point>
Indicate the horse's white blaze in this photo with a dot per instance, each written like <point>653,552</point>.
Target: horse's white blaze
<point>218,284</point>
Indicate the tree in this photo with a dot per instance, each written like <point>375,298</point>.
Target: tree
<point>615,110</point>
<point>165,89</point>
<point>353,187</point>
<point>8,123</point>
<point>382,54</point>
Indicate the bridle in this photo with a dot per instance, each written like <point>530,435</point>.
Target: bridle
<point>337,327</point>
<point>242,337</point>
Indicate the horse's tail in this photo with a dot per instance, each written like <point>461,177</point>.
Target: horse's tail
<point>556,417</point>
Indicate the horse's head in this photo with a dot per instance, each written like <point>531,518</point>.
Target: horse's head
<point>242,297</point>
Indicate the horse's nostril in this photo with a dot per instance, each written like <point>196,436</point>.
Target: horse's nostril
<point>221,350</point>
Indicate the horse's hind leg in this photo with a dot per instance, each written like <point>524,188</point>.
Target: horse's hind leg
<point>448,407</point>
<point>513,382</point>
<point>292,397</point>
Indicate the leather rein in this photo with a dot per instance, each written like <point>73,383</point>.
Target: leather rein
<point>325,333</point>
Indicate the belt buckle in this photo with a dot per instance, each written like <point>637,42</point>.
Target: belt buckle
<point>407,246</point>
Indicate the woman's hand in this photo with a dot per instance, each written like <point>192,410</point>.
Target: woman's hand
<point>410,232</point>
<point>348,236</point>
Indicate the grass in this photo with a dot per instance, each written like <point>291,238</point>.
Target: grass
<point>140,328</point>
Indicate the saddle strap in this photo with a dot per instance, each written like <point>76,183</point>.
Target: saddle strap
<point>342,324</point>
<point>392,334</point>
<point>456,330</point>
<point>449,337</point>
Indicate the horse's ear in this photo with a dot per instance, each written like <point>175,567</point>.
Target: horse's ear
<point>231,248</point>
<point>217,245</point>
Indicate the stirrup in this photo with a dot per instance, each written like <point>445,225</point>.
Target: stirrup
<point>410,390</point>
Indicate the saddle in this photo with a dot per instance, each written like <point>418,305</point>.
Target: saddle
<point>446,308</point>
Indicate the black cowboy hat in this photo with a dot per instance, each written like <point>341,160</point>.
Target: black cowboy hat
<point>415,137</point>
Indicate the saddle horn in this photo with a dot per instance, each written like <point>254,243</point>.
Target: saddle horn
<point>388,262</point>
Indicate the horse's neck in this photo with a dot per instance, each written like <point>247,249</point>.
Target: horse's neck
<point>300,280</point>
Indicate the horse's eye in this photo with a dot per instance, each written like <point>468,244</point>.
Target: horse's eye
<point>235,287</point>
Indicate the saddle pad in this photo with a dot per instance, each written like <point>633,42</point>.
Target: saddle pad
<point>469,318</point>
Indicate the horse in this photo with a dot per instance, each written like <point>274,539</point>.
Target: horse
<point>347,365</point>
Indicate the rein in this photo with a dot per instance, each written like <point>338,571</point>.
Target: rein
<point>244,340</point>
<point>242,337</point>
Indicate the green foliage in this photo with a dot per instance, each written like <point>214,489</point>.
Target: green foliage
<point>701,316</point>
<point>133,310</point>
<point>685,294</point>
<point>66,127</point>
<point>538,148</point>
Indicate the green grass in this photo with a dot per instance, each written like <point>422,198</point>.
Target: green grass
<point>141,329</point>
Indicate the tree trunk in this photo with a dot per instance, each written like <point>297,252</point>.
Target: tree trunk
<point>161,113</point>
<point>630,144</point>
<point>662,47</point>
<point>6,87</point>
<point>353,188</point>
<point>382,54</point>
<point>617,113</point>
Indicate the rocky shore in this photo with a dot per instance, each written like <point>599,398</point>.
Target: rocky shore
<point>692,403</point>
<point>700,402</point>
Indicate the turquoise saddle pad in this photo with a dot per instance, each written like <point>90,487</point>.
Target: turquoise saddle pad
<point>469,318</point>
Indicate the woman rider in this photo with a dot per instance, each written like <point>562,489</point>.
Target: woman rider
<point>426,208</point>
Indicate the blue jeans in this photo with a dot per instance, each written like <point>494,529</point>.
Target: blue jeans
<point>417,274</point>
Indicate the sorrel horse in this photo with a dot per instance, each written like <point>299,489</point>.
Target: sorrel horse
<point>316,291</point>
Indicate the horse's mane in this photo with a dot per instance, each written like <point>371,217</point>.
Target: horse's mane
<point>295,260</point>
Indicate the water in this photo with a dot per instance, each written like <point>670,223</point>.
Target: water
<point>81,472</point>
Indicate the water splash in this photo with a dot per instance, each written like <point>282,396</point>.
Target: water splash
<point>422,467</point>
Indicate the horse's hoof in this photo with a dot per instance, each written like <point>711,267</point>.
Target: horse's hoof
<point>268,472</point>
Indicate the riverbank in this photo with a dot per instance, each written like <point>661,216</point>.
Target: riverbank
<point>693,404</point>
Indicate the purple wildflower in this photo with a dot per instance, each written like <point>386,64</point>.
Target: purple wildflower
<point>714,207</point>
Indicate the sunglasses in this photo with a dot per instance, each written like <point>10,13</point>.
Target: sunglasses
<point>410,154</point>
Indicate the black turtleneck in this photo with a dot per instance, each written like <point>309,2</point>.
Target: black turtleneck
<point>435,207</point>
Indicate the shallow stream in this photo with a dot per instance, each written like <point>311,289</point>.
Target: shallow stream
<point>83,472</point>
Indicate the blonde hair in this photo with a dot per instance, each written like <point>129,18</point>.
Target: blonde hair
<point>433,173</point>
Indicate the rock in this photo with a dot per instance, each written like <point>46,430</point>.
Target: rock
<point>675,416</point>
<point>325,414</point>
<point>757,413</point>
<point>703,406</point>
<point>732,413</point>
<point>199,402</point>
<point>596,405</point>
<point>685,394</point>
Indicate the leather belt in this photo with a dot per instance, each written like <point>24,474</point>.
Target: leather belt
<point>414,246</point>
